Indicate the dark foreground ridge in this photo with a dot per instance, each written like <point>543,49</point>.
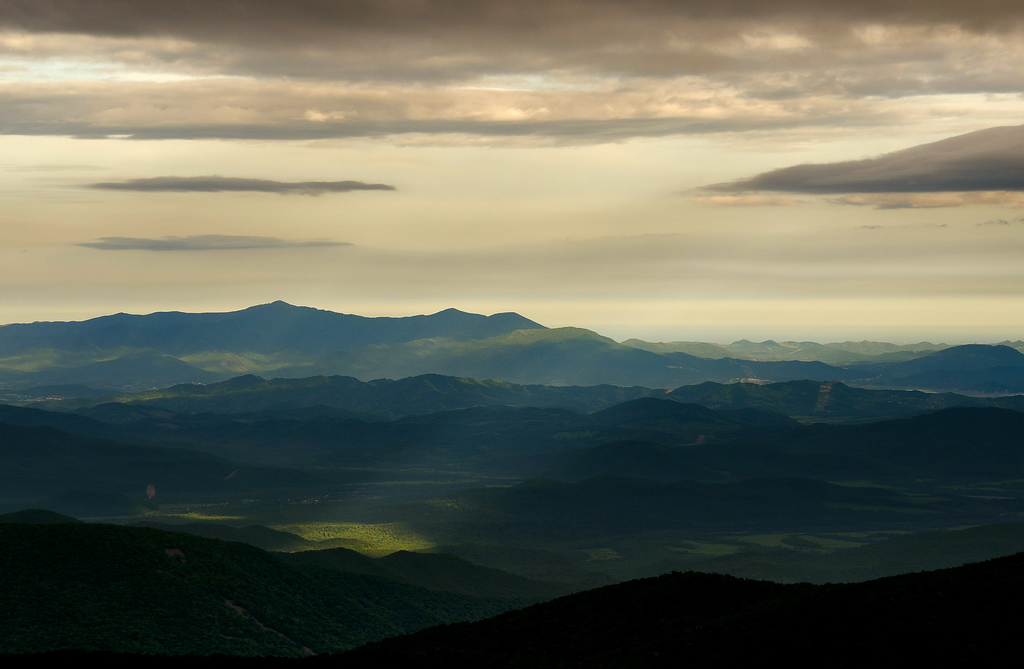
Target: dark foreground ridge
<point>969,614</point>
<point>109,588</point>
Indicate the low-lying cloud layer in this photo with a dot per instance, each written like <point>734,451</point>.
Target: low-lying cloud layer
<point>215,184</point>
<point>987,162</point>
<point>202,243</point>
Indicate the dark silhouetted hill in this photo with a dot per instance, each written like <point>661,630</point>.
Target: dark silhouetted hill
<point>966,615</point>
<point>142,590</point>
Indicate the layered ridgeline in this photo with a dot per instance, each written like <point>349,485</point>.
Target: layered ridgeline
<point>141,590</point>
<point>744,435</point>
<point>82,475</point>
<point>629,489</point>
<point>131,352</point>
<point>647,437</point>
<point>347,397</point>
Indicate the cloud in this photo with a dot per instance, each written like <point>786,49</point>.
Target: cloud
<point>931,200</point>
<point>295,110</point>
<point>572,71</point>
<point>1002,222</point>
<point>987,160</point>
<point>202,243</point>
<point>904,227</point>
<point>747,201</point>
<point>215,184</point>
<point>54,167</point>
<point>301,20</point>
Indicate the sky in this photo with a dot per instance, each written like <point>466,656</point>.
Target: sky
<point>662,169</point>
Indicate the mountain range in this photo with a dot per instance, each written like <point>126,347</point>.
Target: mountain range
<point>490,460</point>
<point>124,352</point>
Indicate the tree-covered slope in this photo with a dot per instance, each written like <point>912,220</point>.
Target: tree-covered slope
<point>141,590</point>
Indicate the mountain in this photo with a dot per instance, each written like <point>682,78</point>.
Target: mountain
<point>649,413</point>
<point>259,536</point>
<point>141,590</point>
<point>835,353</point>
<point>435,571</point>
<point>559,357</point>
<point>267,328</point>
<point>699,349</point>
<point>965,615</point>
<point>969,368</point>
<point>36,517</point>
<point>956,444</point>
<point>346,397</point>
<point>67,422</point>
<point>384,398</point>
<point>132,352</point>
<point>491,438</point>
<point>135,371</point>
<point>284,423</point>
<point>831,401</point>
<point>540,511</point>
<point>901,554</point>
<point>75,475</point>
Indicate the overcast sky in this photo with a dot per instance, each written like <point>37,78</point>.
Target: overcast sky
<point>665,169</point>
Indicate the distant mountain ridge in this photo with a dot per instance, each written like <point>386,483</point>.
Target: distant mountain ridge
<point>136,352</point>
<point>265,328</point>
<point>834,353</point>
<point>129,353</point>
<point>423,394</point>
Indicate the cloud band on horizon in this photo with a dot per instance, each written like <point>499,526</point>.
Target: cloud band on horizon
<point>202,243</point>
<point>216,184</point>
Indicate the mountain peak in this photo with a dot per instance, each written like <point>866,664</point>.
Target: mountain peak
<point>994,353</point>
<point>275,305</point>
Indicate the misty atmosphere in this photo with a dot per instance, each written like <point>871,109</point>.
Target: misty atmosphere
<point>580,333</point>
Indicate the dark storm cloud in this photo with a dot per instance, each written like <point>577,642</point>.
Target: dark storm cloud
<point>565,71</point>
<point>986,160</point>
<point>215,184</point>
<point>201,243</point>
<point>293,19</point>
<point>439,39</point>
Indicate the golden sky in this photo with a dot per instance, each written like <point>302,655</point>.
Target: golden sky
<point>661,169</point>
